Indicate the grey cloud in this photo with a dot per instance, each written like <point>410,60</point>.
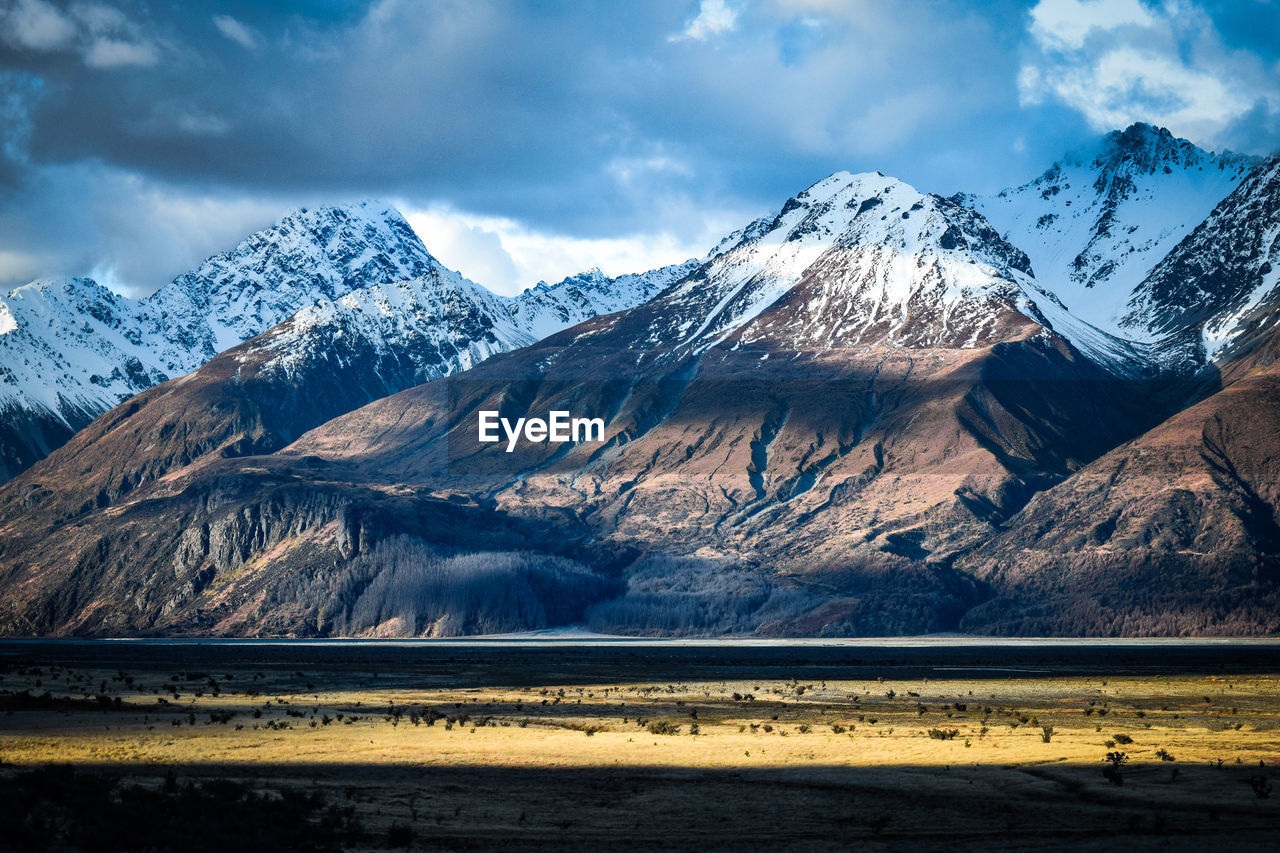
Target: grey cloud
<point>103,36</point>
<point>583,119</point>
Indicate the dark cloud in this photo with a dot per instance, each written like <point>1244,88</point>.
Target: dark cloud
<point>591,119</point>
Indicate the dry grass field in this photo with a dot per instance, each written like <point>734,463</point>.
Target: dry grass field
<point>374,759</point>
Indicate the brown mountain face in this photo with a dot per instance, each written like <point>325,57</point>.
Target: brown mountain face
<point>800,438</point>
<point>261,395</point>
<point>1176,532</point>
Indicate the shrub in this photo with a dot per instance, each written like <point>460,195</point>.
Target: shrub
<point>943,734</point>
<point>1261,787</point>
<point>663,727</point>
<point>1046,733</point>
<point>1115,760</point>
<point>1123,739</point>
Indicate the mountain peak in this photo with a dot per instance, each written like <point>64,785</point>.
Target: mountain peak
<point>1101,217</point>
<point>309,254</point>
<point>1143,148</point>
<point>372,212</point>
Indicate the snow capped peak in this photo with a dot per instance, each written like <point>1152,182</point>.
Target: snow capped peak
<point>49,302</point>
<point>857,258</point>
<point>848,210</point>
<point>1142,148</point>
<point>1097,222</point>
<point>310,254</point>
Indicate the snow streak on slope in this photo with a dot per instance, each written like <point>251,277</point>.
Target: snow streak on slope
<point>1222,283</point>
<point>1095,224</point>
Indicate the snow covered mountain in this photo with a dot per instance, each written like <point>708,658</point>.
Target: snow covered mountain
<point>442,323</point>
<point>874,411</point>
<point>70,349</point>
<point>545,309</point>
<point>868,347</point>
<point>1219,289</point>
<point>311,254</point>
<point>1096,223</point>
<point>898,268</point>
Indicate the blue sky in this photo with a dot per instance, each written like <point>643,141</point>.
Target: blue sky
<point>531,140</point>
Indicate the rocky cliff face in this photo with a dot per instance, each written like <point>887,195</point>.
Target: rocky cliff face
<point>1217,291</point>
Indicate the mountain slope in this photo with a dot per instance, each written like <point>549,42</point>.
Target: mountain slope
<point>329,358</point>
<point>812,425</point>
<point>1177,531</point>
<point>1097,222</point>
<point>1218,290</point>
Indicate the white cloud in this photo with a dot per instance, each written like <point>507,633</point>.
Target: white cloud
<point>1121,62</point>
<point>135,232</point>
<point>102,35</point>
<point>116,53</point>
<point>714,17</point>
<point>238,32</point>
<point>99,19</point>
<point>1067,23</point>
<point>507,256</point>
<point>36,25</point>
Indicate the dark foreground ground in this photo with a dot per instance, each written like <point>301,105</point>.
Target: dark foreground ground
<point>638,746</point>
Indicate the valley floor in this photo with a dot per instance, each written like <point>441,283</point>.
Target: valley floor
<point>447,746</point>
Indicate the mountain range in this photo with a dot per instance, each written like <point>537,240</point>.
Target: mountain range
<point>72,349</point>
<point>876,410</point>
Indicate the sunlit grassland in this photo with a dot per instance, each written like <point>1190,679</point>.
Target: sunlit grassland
<point>1000,758</point>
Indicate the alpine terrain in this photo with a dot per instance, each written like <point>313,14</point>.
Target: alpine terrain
<point>874,411</point>
<point>73,349</point>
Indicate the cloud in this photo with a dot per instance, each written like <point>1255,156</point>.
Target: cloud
<point>36,25</point>
<point>714,18</point>
<point>1117,63</point>
<point>114,53</point>
<point>508,256</point>
<point>101,35</point>
<point>238,32</point>
<point>1065,24</point>
<point>134,232</point>
<point>626,149</point>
